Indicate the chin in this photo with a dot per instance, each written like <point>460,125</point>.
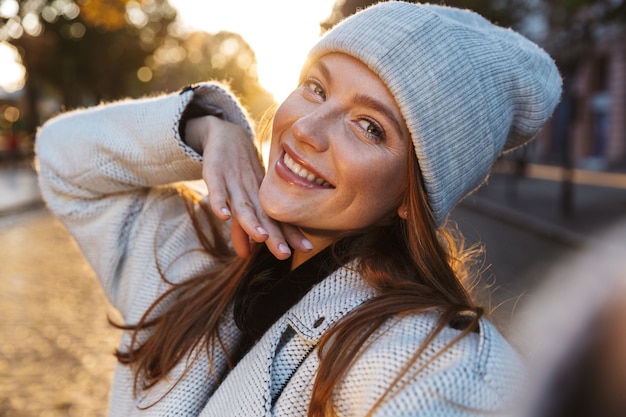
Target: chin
<point>282,216</point>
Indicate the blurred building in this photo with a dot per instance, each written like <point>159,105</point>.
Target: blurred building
<point>588,129</point>
<point>14,143</point>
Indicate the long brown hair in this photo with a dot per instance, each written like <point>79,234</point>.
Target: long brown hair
<point>413,265</point>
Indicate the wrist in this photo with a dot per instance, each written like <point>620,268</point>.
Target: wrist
<point>196,108</point>
<point>198,131</point>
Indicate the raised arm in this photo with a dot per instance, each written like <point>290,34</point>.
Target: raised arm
<point>107,173</point>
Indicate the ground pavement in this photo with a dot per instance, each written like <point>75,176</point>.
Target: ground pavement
<point>526,233</point>
<point>55,343</point>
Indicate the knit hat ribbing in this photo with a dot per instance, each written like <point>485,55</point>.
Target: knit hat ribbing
<point>467,89</point>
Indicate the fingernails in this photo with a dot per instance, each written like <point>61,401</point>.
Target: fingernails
<point>261,230</point>
<point>225,211</point>
<point>282,248</point>
<point>307,244</point>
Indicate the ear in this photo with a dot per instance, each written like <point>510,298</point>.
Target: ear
<point>403,211</point>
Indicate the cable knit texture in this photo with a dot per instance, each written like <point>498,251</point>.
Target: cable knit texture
<point>108,172</point>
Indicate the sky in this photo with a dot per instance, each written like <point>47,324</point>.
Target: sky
<point>279,31</point>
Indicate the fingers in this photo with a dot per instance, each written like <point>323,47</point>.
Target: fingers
<point>296,238</point>
<point>233,173</point>
<point>231,165</point>
<point>241,242</point>
<point>278,239</point>
<point>249,220</point>
<point>238,198</point>
<point>230,186</point>
<point>218,199</point>
<point>257,226</point>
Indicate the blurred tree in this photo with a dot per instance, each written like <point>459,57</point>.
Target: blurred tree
<point>224,56</point>
<point>84,51</point>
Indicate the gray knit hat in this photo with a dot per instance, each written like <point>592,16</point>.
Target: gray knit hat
<point>467,89</point>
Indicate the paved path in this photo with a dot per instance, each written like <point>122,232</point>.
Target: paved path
<point>526,235</point>
<point>55,343</point>
<point>18,188</point>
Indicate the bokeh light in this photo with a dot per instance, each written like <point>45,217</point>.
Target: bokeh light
<point>280,32</point>
<point>13,72</point>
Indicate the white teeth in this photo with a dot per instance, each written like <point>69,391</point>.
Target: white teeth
<point>297,169</point>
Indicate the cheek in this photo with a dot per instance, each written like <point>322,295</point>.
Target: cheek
<point>280,123</point>
<point>381,176</point>
<point>286,113</point>
<point>386,187</point>
<point>265,190</point>
<point>266,198</point>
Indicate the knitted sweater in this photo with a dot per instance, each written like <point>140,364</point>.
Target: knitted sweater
<point>108,173</point>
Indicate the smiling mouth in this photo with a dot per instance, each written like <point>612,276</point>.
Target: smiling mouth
<point>302,172</point>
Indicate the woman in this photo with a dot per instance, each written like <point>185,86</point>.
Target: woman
<point>355,304</point>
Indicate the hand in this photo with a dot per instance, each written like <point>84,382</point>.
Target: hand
<point>233,172</point>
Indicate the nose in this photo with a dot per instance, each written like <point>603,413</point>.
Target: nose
<point>313,129</point>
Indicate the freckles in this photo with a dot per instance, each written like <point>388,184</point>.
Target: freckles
<point>278,121</point>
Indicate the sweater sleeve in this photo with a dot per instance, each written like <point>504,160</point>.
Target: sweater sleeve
<point>109,174</point>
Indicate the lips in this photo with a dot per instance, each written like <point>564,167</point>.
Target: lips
<point>304,173</point>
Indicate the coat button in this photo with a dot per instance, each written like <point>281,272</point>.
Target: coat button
<point>318,322</point>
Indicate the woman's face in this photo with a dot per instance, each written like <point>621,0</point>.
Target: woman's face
<point>338,153</point>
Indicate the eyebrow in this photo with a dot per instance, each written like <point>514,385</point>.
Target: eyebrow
<point>365,100</point>
<point>322,68</point>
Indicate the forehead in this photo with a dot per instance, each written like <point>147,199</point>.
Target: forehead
<point>346,68</point>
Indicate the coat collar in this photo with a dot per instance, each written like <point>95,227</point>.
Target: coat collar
<point>251,380</point>
<point>329,301</point>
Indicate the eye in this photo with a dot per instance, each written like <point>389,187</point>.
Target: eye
<point>313,86</point>
<point>372,129</point>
